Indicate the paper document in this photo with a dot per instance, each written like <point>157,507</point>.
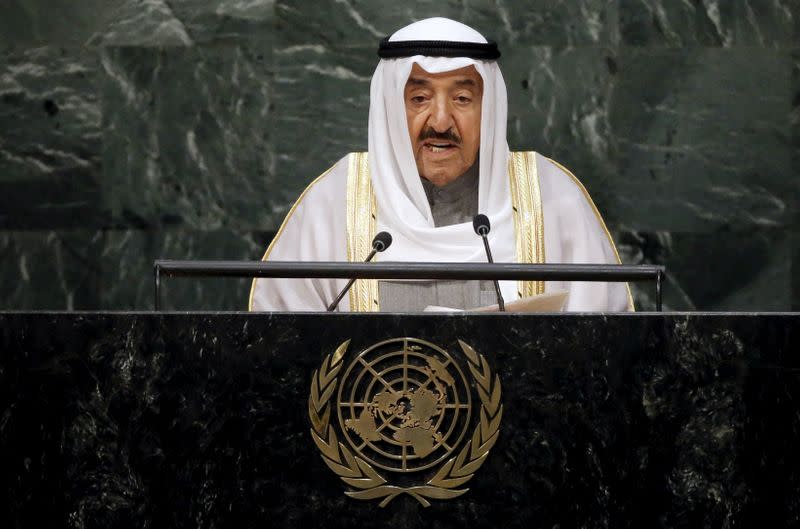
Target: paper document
<point>437,308</point>
<point>548,302</point>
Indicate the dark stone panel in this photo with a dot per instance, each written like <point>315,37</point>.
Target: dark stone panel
<point>113,269</point>
<point>227,21</point>
<point>127,268</point>
<point>34,23</point>
<point>767,23</point>
<point>537,22</point>
<point>794,119</point>
<point>795,267</point>
<point>321,100</point>
<point>188,137</point>
<point>137,23</point>
<point>187,420</point>
<point>795,128</point>
<point>188,22</point>
<point>559,105</point>
<point>704,141</point>
<point>796,19</point>
<point>50,140</point>
<point>49,270</point>
<point>747,270</point>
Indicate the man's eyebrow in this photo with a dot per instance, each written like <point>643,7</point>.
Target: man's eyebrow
<point>416,81</point>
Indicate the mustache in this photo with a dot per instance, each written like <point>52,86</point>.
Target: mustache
<point>448,135</point>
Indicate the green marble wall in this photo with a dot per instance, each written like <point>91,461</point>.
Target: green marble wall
<point>137,129</point>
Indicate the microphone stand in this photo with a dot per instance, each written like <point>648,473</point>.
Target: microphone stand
<point>379,244</point>
<point>500,302</point>
<point>336,301</point>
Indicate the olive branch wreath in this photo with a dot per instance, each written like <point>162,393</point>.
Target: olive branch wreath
<point>359,474</point>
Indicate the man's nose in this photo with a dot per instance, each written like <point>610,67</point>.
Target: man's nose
<point>441,118</point>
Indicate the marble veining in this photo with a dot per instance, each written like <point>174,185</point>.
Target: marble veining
<point>767,23</point>
<point>50,162</point>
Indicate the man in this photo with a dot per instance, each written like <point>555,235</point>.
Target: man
<point>438,156</point>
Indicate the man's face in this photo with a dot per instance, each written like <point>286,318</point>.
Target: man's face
<point>444,121</point>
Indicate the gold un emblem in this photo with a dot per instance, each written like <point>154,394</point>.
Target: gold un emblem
<point>403,410</point>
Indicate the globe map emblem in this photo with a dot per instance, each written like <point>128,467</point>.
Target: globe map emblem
<point>404,405</point>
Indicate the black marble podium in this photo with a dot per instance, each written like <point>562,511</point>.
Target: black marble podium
<point>201,420</point>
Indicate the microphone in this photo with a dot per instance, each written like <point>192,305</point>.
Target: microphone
<point>379,244</point>
<point>481,226</point>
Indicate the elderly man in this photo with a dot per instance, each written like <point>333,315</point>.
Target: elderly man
<point>438,156</point>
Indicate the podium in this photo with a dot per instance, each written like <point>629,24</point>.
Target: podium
<point>209,420</point>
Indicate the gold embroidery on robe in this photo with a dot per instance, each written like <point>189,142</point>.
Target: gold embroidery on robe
<point>361,226</point>
<point>526,202</point>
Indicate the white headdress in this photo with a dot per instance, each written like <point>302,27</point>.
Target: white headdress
<point>403,208</point>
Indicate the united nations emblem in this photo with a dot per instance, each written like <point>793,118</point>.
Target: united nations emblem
<point>403,409</point>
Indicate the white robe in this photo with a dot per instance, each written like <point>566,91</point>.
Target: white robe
<point>315,230</point>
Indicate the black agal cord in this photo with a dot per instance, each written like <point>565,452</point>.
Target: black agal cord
<point>438,48</point>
